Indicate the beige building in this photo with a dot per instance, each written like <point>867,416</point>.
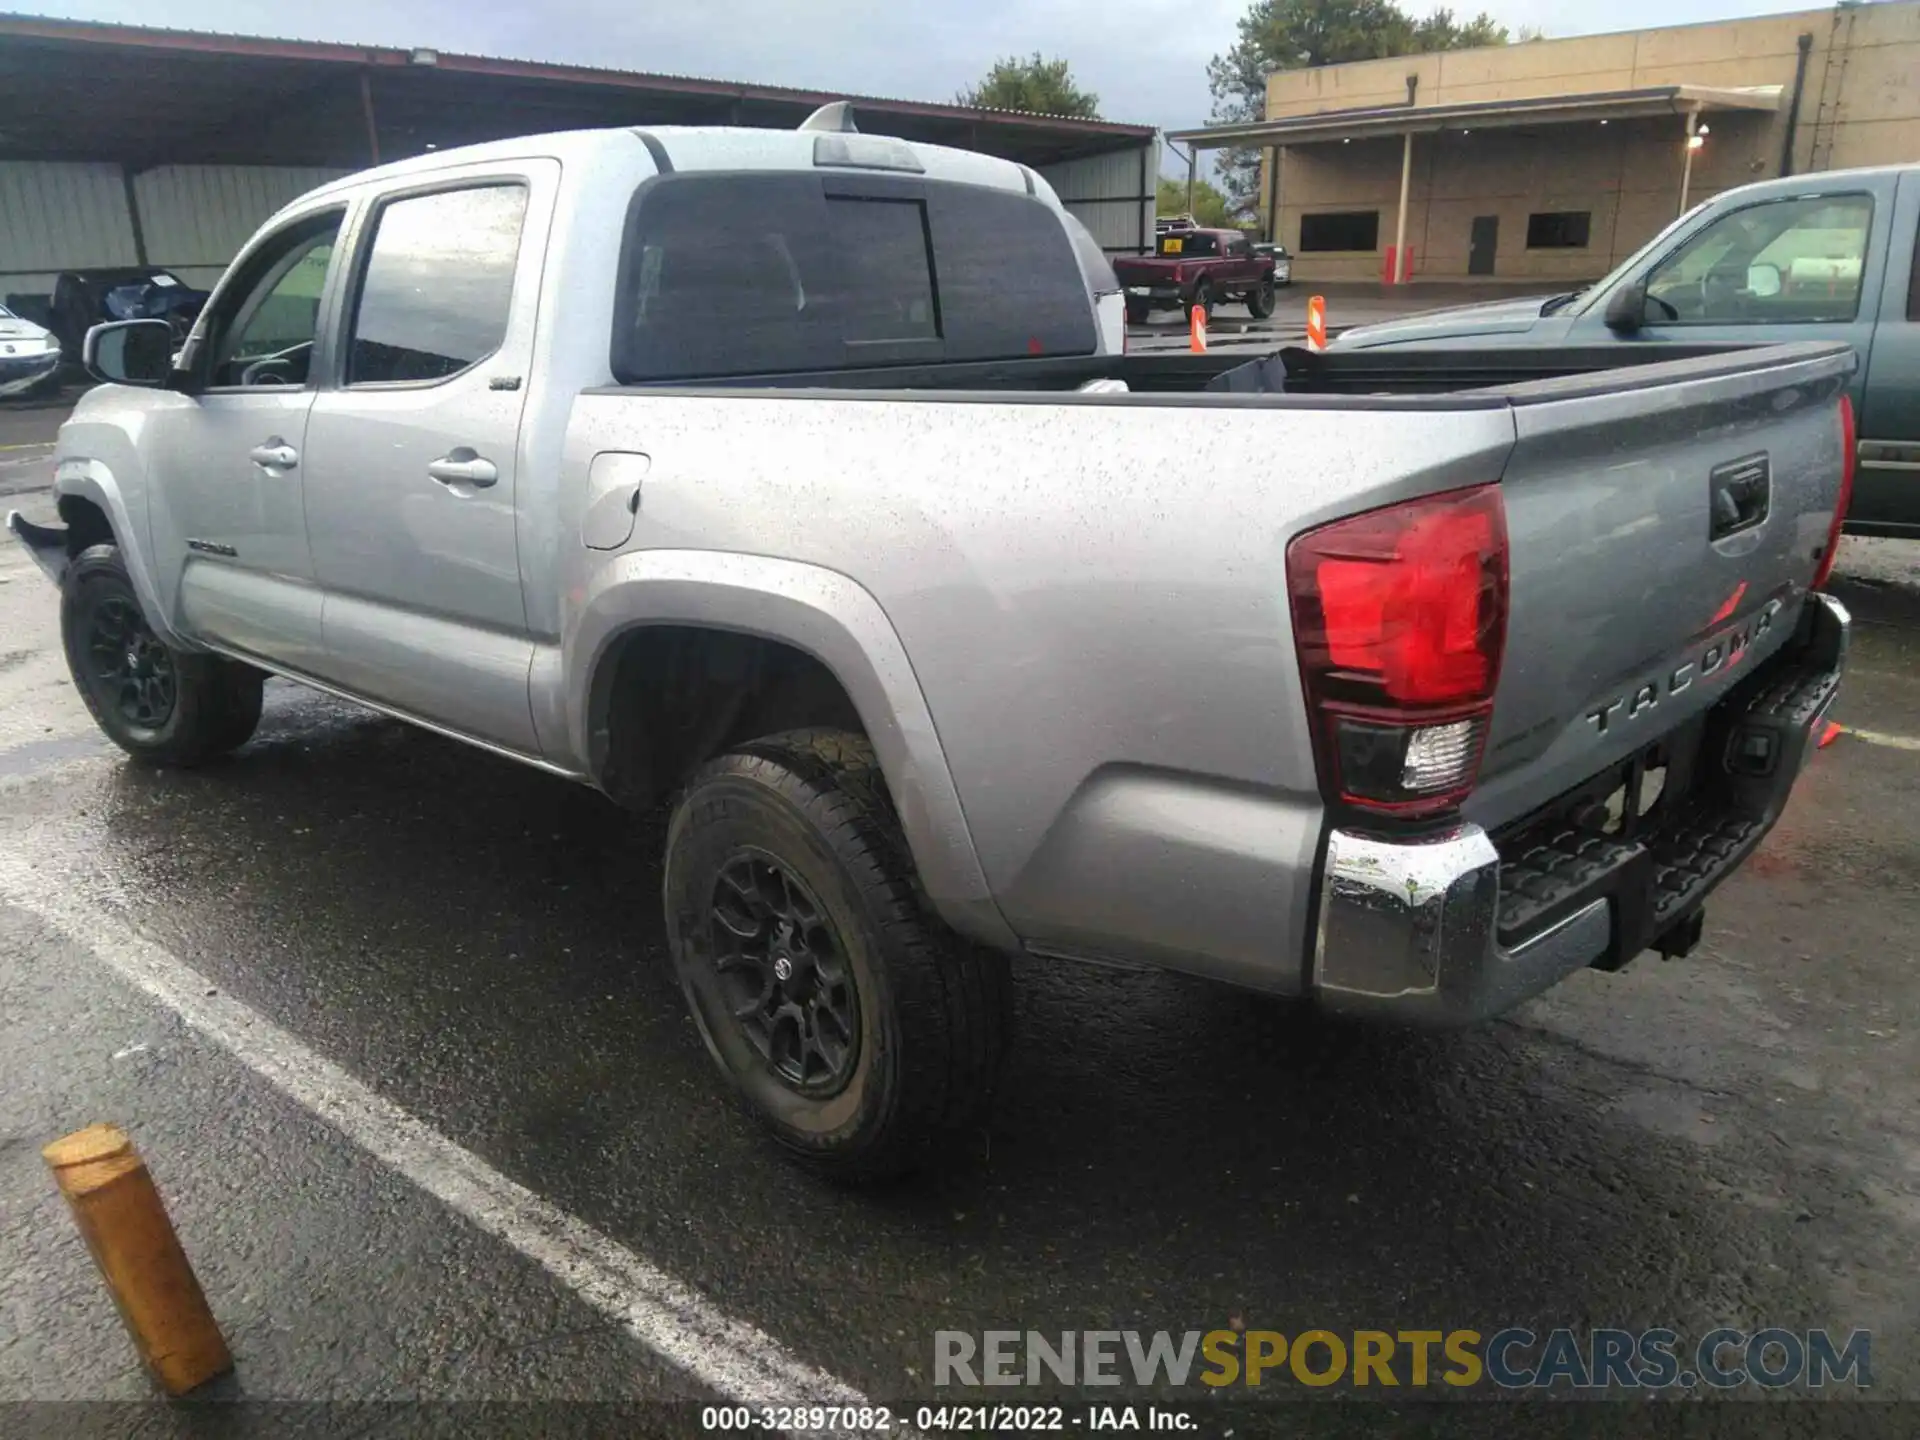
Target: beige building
<point>1554,159</point>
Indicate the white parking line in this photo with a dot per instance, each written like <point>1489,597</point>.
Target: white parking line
<point>730,1357</point>
<point>1876,737</point>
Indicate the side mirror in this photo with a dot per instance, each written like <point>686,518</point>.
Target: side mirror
<point>1627,307</point>
<point>130,352</point>
<point>1763,280</point>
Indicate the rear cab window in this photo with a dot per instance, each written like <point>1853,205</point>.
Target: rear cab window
<point>762,273</point>
<point>1188,243</point>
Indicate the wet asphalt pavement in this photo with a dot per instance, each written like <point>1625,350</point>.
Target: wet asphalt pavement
<point>1733,1139</point>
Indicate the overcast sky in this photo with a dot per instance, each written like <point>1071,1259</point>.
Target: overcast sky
<point>1146,59</point>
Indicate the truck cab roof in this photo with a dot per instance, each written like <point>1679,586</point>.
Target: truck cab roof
<point>720,147</point>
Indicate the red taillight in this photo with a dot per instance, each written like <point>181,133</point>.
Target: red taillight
<point>1849,458</point>
<point>1399,616</point>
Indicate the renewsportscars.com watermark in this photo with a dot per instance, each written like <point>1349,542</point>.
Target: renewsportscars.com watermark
<point>1512,1359</point>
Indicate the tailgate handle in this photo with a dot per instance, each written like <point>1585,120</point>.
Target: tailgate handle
<point>1739,494</point>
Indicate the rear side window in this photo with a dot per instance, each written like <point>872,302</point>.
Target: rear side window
<point>746,274</point>
<point>437,285</point>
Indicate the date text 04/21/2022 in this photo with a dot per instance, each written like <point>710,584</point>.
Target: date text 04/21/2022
<point>932,1419</point>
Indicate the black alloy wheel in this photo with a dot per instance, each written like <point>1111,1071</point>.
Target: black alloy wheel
<point>785,974</point>
<point>131,670</point>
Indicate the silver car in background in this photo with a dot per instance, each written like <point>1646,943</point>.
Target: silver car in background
<point>29,355</point>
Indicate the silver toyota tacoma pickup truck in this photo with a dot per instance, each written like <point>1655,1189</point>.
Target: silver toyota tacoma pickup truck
<point>785,477</point>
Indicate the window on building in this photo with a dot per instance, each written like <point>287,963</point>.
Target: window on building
<point>1559,229</point>
<point>438,284</point>
<point>1341,230</point>
<point>1795,261</point>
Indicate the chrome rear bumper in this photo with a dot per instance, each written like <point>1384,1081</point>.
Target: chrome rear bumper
<point>1411,929</point>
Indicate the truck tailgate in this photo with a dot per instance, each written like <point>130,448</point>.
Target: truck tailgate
<point>1665,523</point>
<point>1148,269</point>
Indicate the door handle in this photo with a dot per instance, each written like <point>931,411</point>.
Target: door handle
<point>463,467</point>
<point>276,454</point>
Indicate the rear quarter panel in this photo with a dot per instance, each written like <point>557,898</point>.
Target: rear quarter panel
<point>1091,592</point>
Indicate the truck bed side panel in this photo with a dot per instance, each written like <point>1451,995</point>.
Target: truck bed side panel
<point>1093,599</point>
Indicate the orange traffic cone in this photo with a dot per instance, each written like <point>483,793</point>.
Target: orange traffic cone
<point>1317,323</point>
<point>1197,328</point>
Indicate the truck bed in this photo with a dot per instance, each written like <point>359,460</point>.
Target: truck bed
<point>1092,586</point>
<point>1375,374</point>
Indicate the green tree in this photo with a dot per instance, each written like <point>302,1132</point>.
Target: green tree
<point>1042,86</point>
<point>1299,34</point>
<point>1210,208</point>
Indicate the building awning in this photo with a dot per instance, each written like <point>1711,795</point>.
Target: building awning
<point>84,91</point>
<point>1395,120</point>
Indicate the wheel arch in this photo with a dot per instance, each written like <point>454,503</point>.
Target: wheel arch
<point>813,623</point>
<point>95,511</point>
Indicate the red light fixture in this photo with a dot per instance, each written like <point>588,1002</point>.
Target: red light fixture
<point>1849,459</point>
<point>1399,616</point>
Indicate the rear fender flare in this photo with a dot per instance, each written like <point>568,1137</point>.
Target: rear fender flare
<point>840,624</point>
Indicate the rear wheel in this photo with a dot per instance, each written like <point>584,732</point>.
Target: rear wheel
<point>1202,300</point>
<point>857,1028</point>
<point>160,705</point>
<point>1260,301</point>
<point>1138,311</point>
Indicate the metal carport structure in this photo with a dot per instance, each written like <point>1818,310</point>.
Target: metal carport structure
<point>122,145</point>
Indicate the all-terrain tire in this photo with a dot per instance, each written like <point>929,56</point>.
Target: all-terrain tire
<point>213,704</point>
<point>933,1008</point>
<point>1202,300</point>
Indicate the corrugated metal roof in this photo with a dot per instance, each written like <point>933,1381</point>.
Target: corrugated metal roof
<point>208,41</point>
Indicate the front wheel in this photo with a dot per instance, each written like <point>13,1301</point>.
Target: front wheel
<point>160,705</point>
<point>857,1028</point>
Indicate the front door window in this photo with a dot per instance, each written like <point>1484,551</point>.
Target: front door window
<point>262,335</point>
<point>1781,262</point>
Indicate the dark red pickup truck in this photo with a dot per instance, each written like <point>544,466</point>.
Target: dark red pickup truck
<point>1197,267</point>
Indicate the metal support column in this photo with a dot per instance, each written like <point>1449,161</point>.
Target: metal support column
<point>1400,266</point>
<point>1686,168</point>
<point>133,216</point>
<point>1273,194</point>
<point>366,107</point>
